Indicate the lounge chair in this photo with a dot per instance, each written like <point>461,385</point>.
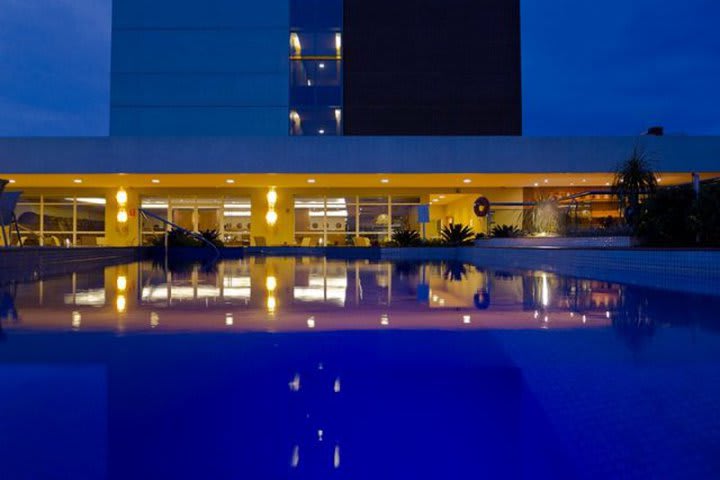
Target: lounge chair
<point>361,242</point>
<point>306,242</point>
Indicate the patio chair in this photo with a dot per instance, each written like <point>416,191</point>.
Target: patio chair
<point>361,241</point>
<point>8,201</point>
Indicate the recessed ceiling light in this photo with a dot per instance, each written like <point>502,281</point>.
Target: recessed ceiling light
<point>11,180</point>
<point>441,196</point>
<point>545,181</point>
<point>77,180</point>
<point>467,180</point>
<point>311,180</point>
<point>607,184</point>
<point>584,180</point>
<point>155,180</point>
<point>384,180</point>
<point>535,184</point>
<point>230,181</point>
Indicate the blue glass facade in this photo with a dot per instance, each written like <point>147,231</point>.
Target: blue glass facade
<point>316,67</point>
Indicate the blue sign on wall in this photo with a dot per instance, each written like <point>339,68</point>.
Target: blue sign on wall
<point>424,214</point>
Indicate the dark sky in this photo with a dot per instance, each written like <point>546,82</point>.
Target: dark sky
<point>590,67</point>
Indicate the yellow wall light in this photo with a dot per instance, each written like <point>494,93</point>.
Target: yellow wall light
<point>272,197</point>
<point>122,197</point>
<point>271,217</point>
<point>122,216</point>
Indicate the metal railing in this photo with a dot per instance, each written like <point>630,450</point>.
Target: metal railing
<point>194,235</point>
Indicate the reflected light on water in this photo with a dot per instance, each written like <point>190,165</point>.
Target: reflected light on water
<point>121,304</point>
<point>76,318</point>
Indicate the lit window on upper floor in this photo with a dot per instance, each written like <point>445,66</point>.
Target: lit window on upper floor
<point>318,121</point>
<point>313,45</point>
<point>315,53</point>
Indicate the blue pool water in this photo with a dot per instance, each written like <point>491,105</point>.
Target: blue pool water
<point>311,368</point>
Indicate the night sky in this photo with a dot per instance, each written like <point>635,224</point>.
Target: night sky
<point>610,67</point>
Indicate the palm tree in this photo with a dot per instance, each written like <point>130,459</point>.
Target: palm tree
<point>457,234</point>
<point>634,178</point>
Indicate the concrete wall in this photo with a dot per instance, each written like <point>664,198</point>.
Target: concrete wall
<point>217,67</point>
<point>351,154</point>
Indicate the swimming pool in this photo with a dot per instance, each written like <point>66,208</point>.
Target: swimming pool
<point>301,367</point>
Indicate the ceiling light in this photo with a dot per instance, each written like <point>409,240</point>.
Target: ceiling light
<point>584,180</point>
<point>467,180</point>
<point>310,180</point>
<point>230,181</point>
<point>545,181</point>
<point>11,180</point>
<point>441,196</point>
<point>155,180</point>
<point>77,180</point>
<point>535,184</point>
<point>384,180</point>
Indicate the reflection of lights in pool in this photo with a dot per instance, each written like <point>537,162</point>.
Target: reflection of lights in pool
<point>154,319</point>
<point>384,319</point>
<point>466,319</point>
<point>295,383</point>
<point>229,319</point>
<point>311,322</point>
<point>76,318</point>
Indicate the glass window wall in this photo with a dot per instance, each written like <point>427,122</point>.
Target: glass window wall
<point>60,220</point>
<point>229,216</point>
<point>341,220</point>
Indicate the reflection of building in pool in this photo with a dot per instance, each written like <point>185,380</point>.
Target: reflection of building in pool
<point>290,294</point>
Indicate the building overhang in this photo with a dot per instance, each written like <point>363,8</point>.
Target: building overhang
<point>351,155</point>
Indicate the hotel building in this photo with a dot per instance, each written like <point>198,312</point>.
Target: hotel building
<point>315,122</point>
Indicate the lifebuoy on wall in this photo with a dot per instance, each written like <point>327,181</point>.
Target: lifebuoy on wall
<point>482,207</point>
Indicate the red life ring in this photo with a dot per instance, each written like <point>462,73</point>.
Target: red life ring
<point>481,207</point>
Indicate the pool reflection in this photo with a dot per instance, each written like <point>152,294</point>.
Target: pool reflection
<point>291,294</point>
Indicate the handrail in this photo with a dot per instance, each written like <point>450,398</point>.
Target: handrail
<point>195,235</point>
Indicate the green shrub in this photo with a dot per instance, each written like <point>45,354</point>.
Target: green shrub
<point>505,231</point>
<point>181,238</point>
<point>406,237</point>
<point>457,235</point>
<point>673,216</point>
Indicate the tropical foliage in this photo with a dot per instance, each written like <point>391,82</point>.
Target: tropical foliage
<point>677,216</point>
<point>634,180</point>
<point>457,234</point>
<point>505,231</point>
<point>181,238</point>
<point>406,237</point>
<point>544,216</point>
